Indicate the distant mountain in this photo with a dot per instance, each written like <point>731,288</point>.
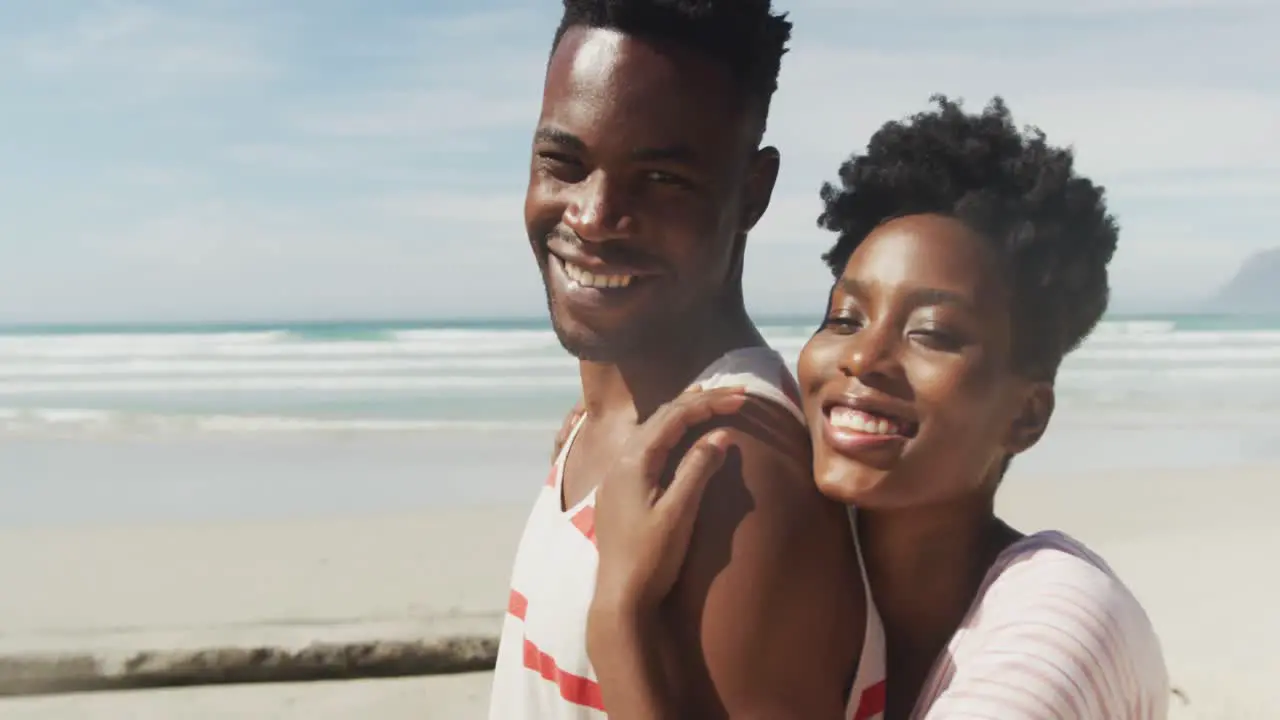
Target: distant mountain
<point>1255,287</point>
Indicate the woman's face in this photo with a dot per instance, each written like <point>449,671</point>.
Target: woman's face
<point>909,389</point>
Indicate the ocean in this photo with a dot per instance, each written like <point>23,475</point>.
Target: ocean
<point>1143,391</point>
<point>370,377</point>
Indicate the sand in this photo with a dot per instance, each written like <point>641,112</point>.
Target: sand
<point>454,697</point>
<point>1191,544</point>
<point>282,582</point>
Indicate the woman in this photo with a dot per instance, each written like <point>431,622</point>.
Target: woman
<point>970,259</point>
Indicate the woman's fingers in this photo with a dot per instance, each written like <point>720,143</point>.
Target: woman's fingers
<point>570,422</point>
<point>670,425</point>
<point>680,501</point>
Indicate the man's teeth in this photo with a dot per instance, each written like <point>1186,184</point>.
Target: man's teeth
<point>849,419</point>
<point>588,279</point>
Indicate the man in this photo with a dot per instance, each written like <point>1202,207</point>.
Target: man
<point>647,174</point>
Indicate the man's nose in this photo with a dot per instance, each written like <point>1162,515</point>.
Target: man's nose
<point>599,211</point>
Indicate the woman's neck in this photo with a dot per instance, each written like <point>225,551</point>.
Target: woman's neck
<point>925,566</point>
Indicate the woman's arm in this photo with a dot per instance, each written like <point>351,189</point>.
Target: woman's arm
<point>643,532</point>
<point>626,648</point>
<point>761,610</point>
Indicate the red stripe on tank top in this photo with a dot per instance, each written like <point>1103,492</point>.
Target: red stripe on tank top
<point>517,605</point>
<point>871,703</point>
<point>573,688</point>
<point>585,521</point>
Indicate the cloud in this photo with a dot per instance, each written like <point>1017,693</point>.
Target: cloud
<point>1246,189</point>
<point>507,24</point>
<point>141,43</point>
<point>435,113</point>
<point>1189,169</point>
<point>1118,127</point>
<point>464,76</point>
<point>378,167</point>
<point>500,210</point>
<point>944,8</point>
<point>296,157</point>
<point>221,261</point>
<point>1176,121</point>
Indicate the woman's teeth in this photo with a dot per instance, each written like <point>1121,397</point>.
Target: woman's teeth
<point>847,418</point>
<point>592,280</point>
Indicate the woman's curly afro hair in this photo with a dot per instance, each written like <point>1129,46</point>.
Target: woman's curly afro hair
<point>1050,225</point>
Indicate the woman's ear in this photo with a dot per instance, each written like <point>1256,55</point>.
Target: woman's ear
<point>1032,419</point>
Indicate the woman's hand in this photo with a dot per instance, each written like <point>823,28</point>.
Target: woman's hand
<point>570,422</point>
<point>642,529</point>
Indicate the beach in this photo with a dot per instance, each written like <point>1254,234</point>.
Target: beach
<point>1191,544</point>
<point>454,697</point>
<point>270,496</point>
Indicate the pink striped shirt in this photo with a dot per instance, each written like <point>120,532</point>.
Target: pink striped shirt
<point>1052,635</point>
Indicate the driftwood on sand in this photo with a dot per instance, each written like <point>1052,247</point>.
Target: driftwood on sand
<point>48,674</point>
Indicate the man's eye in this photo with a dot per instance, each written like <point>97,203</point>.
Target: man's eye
<point>666,178</point>
<point>557,158</point>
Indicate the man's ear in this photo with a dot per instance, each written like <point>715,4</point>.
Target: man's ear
<point>1032,419</point>
<point>762,176</point>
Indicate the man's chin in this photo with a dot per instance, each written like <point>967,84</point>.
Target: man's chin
<point>591,344</point>
<point>583,343</point>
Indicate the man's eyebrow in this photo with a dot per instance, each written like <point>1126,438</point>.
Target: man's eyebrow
<point>556,136</point>
<point>679,153</point>
<point>674,153</point>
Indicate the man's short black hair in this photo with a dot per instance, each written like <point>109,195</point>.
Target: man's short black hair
<point>1050,225</point>
<point>745,35</point>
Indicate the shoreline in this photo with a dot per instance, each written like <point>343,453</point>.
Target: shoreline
<point>105,480</point>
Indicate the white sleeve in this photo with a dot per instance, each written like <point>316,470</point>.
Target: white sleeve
<point>1065,641</point>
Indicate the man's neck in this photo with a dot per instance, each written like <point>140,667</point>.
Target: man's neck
<point>642,382</point>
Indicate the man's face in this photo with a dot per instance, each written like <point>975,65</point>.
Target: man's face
<point>644,177</point>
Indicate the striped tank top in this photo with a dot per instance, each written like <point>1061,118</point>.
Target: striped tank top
<point>543,672</point>
<point>1053,633</point>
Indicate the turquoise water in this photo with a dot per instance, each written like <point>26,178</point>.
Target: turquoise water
<point>128,423</point>
<point>373,376</point>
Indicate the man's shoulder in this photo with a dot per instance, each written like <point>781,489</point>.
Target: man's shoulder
<point>768,445</point>
<point>765,486</point>
<point>770,553</point>
<point>762,372</point>
<point>769,437</point>
<point>770,462</point>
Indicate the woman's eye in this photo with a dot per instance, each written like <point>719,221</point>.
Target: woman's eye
<point>842,324</point>
<point>936,339</point>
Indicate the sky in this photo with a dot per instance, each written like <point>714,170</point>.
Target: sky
<point>214,160</point>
